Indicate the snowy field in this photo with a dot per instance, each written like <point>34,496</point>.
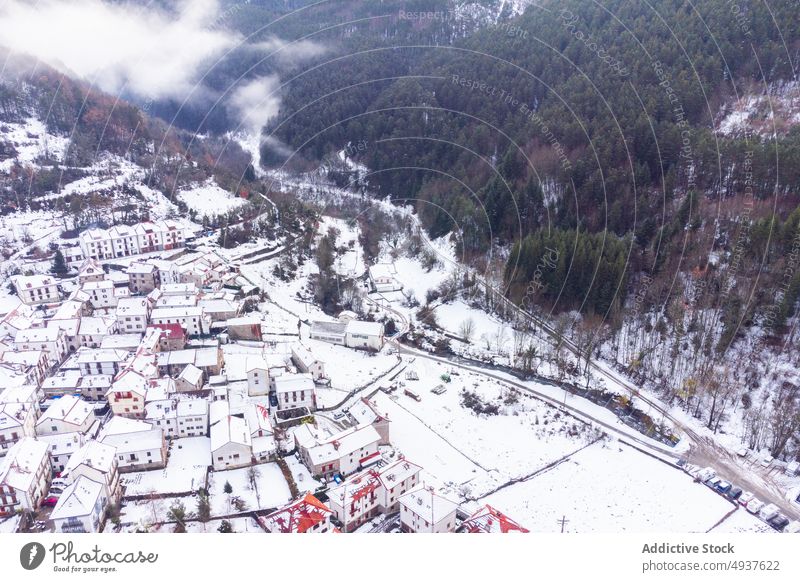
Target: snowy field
<point>524,437</point>
<point>270,490</point>
<point>209,199</point>
<point>586,489</point>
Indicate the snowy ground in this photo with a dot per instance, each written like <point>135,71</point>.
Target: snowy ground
<point>524,437</point>
<point>209,199</point>
<point>270,491</point>
<point>31,141</point>
<point>586,489</point>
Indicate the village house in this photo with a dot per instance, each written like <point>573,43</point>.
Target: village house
<point>123,240</point>
<point>306,362</point>
<point>50,340</point>
<point>24,476</point>
<point>219,309</point>
<point>306,515</point>
<point>352,334</point>
<point>101,361</point>
<point>345,452</point>
<point>295,391</point>
<point>162,413</point>
<point>61,383</point>
<point>93,330</point>
<point>71,328</point>
<point>66,414</point>
<point>149,237</point>
<point>365,411</point>
<point>231,445</point>
<point>190,318</point>
<point>127,394</point>
<point>36,289</point>
<point>172,336</point>
<point>192,417</point>
<point>190,379</point>
<point>94,387</point>
<point>101,293</point>
<point>96,461</point>
<point>17,420</point>
<point>489,520</point>
<point>96,244</point>
<point>244,328</point>
<point>261,432</point>
<point>383,277</point>
<point>257,376</point>
<point>209,360</point>
<point>62,447</point>
<point>80,508</point>
<point>34,360</point>
<point>364,495</point>
<point>73,256</point>
<point>133,314</point>
<point>423,511</point>
<point>90,271</point>
<point>139,446</point>
<point>143,277</point>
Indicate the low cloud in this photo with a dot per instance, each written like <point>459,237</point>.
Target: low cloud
<point>145,51</point>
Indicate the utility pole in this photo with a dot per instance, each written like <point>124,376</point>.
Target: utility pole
<point>563,521</point>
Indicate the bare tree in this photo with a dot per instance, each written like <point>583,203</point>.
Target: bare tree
<point>467,329</point>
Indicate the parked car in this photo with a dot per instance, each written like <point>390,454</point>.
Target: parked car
<point>734,493</point>
<point>779,522</point>
<point>766,461</point>
<point>723,486</point>
<point>50,501</point>
<point>713,482</point>
<point>768,512</point>
<point>793,527</point>
<point>440,389</point>
<point>339,416</point>
<point>754,506</point>
<point>742,452</point>
<point>745,498</point>
<point>705,474</point>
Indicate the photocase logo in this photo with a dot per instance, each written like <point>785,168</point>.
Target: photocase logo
<point>31,555</point>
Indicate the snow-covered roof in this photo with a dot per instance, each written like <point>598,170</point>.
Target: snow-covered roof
<point>78,499</point>
<point>121,341</point>
<point>191,374</point>
<point>168,312</point>
<point>141,269</point>
<point>97,285</point>
<point>230,429</point>
<point>97,325</point>
<point>66,379</point>
<point>120,425</point>
<point>303,354</point>
<point>26,357</point>
<point>293,382</point>
<point>370,328</point>
<point>428,505</point>
<point>338,445</point>
<point>94,355</point>
<point>69,409</point>
<point>129,381</point>
<point>192,407</point>
<point>131,306</point>
<point>258,419</point>
<point>62,443</point>
<point>95,454</point>
<point>33,281</point>
<point>12,414</point>
<point>18,468</point>
<point>37,335</point>
<point>397,472</point>
<point>145,440</point>
<point>178,288</point>
<point>328,327</point>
